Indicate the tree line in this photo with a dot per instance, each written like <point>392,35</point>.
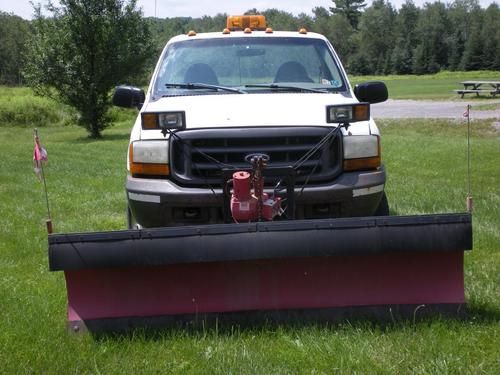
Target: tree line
<point>380,39</point>
<point>375,39</point>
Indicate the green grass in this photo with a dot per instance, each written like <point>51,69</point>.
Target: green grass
<point>426,163</point>
<point>430,86</point>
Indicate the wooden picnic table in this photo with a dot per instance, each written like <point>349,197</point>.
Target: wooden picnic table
<point>479,87</point>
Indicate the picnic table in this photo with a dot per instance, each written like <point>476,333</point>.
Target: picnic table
<point>479,87</point>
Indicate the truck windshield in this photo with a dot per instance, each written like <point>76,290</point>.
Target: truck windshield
<point>237,62</point>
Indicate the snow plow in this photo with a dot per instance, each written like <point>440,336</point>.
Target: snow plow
<point>255,190</point>
<point>330,268</point>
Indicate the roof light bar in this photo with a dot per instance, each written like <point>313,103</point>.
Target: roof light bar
<point>257,22</point>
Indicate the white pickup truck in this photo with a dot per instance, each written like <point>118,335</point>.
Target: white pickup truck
<point>217,98</point>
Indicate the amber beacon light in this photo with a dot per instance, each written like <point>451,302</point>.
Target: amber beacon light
<point>257,22</point>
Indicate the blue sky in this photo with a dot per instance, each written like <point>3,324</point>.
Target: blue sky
<point>175,8</point>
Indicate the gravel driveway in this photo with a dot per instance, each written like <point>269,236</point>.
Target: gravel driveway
<point>431,109</point>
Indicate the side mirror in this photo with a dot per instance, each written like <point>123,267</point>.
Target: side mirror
<point>371,92</point>
<point>128,97</point>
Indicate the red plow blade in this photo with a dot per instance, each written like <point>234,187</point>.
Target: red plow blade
<point>326,269</point>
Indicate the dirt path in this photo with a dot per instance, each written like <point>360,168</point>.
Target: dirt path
<point>432,109</point>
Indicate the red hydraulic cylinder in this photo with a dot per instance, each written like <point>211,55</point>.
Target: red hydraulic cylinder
<point>243,203</point>
<point>241,184</point>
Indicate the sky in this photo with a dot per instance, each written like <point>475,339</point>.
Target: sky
<point>197,8</point>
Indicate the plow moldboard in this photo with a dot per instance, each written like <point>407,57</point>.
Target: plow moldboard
<point>192,273</point>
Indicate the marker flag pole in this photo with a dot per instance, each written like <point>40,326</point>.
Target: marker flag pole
<point>468,202</point>
<point>39,158</point>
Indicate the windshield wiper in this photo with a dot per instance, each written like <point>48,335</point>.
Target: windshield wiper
<point>197,86</point>
<point>274,86</point>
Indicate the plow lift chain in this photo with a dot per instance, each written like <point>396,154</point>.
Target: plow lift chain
<point>259,162</point>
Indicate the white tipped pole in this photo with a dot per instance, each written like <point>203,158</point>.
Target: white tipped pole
<point>469,203</point>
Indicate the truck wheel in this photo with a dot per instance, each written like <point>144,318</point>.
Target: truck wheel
<point>131,223</point>
<point>383,207</point>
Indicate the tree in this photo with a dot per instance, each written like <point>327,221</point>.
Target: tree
<point>472,58</point>
<point>13,34</point>
<point>83,50</point>
<point>376,30</point>
<point>350,9</point>
<point>405,36</point>
<point>433,32</point>
<point>337,29</point>
<point>491,38</point>
<point>164,29</point>
<point>459,13</point>
<point>281,20</point>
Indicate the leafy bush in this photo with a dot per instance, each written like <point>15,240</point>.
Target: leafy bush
<point>20,107</point>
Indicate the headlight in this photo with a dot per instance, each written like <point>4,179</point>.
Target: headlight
<point>361,152</point>
<point>172,120</point>
<point>149,158</point>
<point>163,121</point>
<point>348,113</point>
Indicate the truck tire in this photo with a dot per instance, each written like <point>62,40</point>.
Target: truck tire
<point>383,207</point>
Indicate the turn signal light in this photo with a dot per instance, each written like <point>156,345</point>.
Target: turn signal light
<point>363,163</point>
<point>149,121</point>
<point>141,169</point>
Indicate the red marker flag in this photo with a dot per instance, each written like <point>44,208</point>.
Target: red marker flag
<point>466,113</point>
<point>39,157</point>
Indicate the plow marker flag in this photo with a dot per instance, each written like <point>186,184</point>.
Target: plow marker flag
<point>39,158</point>
<point>466,113</point>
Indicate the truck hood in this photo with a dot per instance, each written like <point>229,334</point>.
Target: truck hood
<point>269,109</point>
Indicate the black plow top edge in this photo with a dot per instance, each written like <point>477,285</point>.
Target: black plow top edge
<point>264,240</point>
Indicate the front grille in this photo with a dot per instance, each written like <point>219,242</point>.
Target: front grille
<point>198,156</point>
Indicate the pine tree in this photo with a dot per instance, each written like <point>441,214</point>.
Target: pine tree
<point>405,36</point>
<point>433,30</point>
<point>377,35</point>
<point>491,38</point>
<point>350,9</point>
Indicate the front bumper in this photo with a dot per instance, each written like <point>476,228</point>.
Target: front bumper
<point>155,203</point>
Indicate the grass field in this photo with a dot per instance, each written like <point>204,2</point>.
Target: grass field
<point>438,86</point>
<point>426,163</point>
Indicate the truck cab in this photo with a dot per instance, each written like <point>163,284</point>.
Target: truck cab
<point>217,98</point>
